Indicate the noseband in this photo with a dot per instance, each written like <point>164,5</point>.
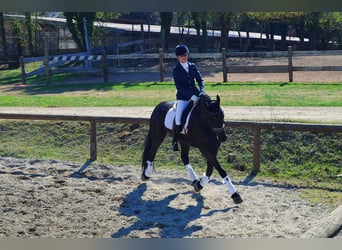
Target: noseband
<point>219,130</point>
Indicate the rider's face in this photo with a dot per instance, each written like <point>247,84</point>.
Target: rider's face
<point>183,58</point>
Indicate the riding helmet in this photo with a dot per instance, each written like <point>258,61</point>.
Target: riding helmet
<point>181,49</point>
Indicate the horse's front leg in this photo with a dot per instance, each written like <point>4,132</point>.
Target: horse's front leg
<point>200,184</point>
<point>185,159</point>
<point>226,180</point>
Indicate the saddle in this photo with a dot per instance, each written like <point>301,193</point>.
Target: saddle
<point>186,117</point>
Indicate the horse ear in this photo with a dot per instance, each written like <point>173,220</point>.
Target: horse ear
<point>218,99</point>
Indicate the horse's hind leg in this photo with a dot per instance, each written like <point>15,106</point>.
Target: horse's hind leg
<point>152,144</point>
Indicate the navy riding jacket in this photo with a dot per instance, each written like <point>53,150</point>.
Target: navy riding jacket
<point>185,82</point>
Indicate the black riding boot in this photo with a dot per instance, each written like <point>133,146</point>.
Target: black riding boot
<point>176,131</point>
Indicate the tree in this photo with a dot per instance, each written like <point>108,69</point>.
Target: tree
<point>200,21</point>
<point>271,21</point>
<point>225,21</point>
<point>331,24</point>
<point>165,27</point>
<point>76,26</point>
<point>17,34</point>
<point>244,24</point>
<point>107,16</point>
<point>28,25</point>
<point>3,38</point>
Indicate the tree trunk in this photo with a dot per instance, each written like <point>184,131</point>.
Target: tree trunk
<point>204,34</point>
<point>4,55</point>
<point>165,29</point>
<point>77,28</point>
<point>28,25</point>
<point>224,18</point>
<point>196,17</point>
<point>283,30</point>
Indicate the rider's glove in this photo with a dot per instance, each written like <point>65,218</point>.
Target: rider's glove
<point>194,98</point>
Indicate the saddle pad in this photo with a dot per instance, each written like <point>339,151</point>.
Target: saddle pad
<point>170,116</point>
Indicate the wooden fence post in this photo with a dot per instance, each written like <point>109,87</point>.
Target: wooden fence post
<point>104,66</point>
<point>93,143</point>
<point>224,65</point>
<point>256,149</point>
<point>161,64</point>
<point>46,61</point>
<point>22,67</point>
<point>290,63</point>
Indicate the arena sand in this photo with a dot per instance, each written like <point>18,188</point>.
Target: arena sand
<point>53,199</point>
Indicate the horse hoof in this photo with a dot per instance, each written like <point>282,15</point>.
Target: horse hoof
<point>237,198</point>
<point>197,185</point>
<point>144,177</point>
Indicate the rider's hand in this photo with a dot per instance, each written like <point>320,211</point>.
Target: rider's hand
<point>194,98</point>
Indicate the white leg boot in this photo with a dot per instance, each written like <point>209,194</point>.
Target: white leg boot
<point>232,190</point>
<point>204,180</point>
<point>229,185</point>
<point>149,168</point>
<point>191,172</point>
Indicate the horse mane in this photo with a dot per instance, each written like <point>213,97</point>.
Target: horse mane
<point>212,106</point>
<point>205,98</point>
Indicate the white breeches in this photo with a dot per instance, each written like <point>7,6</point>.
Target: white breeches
<point>181,105</point>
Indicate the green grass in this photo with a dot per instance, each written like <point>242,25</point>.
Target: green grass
<point>39,94</point>
<point>151,93</point>
<point>14,76</point>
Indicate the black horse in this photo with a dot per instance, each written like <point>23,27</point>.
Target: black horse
<point>205,131</point>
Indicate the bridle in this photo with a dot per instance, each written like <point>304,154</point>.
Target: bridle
<point>213,116</point>
<point>219,130</point>
<point>215,113</point>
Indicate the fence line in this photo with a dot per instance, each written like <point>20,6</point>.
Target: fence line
<point>256,128</point>
<point>50,62</point>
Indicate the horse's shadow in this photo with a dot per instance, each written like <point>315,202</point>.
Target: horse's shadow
<point>171,222</point>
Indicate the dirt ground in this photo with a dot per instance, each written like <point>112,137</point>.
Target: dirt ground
<point>53,199</point>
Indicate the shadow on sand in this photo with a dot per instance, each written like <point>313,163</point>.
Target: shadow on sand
<point>169,221</point>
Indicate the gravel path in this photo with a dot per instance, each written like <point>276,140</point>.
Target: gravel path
<point>302,114</point>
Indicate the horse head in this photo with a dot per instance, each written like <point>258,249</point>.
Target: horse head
<point>214,115</point>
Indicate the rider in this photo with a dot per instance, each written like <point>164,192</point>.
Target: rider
<point>184,75</point>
